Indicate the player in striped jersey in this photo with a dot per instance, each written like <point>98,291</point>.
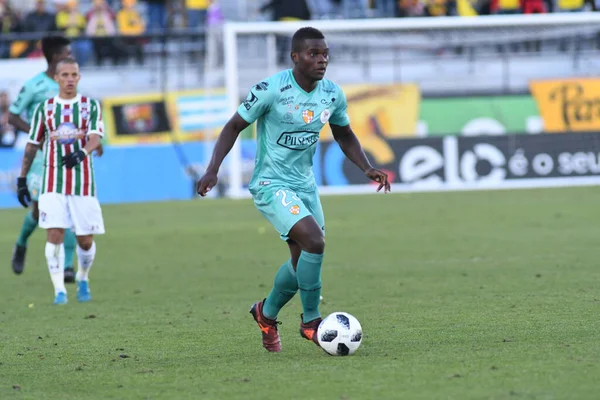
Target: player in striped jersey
<point>68,128</point>
<point>34,91</point>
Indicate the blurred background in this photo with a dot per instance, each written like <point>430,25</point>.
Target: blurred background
<point>444,94</point>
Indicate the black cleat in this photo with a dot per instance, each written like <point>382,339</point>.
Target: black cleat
<point>18,259</point>
<point>69,275</point>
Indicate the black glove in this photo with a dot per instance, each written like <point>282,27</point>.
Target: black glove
<point>23,192</point>
<point>74,158</point>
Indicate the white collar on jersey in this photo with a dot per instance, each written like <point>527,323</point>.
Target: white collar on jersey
<point>60,100</point>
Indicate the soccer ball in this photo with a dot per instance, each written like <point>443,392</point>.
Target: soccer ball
<point>339,334</point>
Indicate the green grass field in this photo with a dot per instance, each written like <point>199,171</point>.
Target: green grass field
<point>484,295</point>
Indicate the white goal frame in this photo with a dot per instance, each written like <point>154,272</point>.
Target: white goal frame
<point>234,29</point>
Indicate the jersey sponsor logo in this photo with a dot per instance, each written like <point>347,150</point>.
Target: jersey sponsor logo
<point>250,101</point>
<point>300,140</point>
<point>67,133</point>
<point>308,116</point>
<point>286,101</point>
<point>326,102</point>
<point>325,116</point>
<point>307,104</point>
<point>287,118</point>
<point>261,86</point>
<point>283,89</point>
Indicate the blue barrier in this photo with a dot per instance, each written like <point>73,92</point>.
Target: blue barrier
<point>128,174</point>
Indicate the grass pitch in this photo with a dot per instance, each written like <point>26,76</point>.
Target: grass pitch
<point>486,295</point>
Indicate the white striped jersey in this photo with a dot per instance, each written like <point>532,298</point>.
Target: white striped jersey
<point>62,127</point>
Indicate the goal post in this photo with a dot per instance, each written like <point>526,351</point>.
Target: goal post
<point>250,53</point>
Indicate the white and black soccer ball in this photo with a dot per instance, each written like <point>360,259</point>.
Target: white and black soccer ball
<point>340,334</point>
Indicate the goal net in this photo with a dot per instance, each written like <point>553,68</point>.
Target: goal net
<point>393,70</point>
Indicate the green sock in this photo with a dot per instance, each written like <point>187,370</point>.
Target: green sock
<point>284,288</point>
<point>70,243</point>
<point>308,271</point>
<point>29,225</point>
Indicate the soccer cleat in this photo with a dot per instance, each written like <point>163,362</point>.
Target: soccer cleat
<point>308,330</point>
<point>18,259</point>
<point>268,327</point>
<point>61,298</point>
<point>83,291</point>
<point>69,275</point>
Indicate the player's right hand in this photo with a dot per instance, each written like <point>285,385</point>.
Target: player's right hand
<point>206,183</point>
<point>23,192</point>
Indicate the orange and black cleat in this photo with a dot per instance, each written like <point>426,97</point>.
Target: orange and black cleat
<point>268,327</point>
<point>309,330</point>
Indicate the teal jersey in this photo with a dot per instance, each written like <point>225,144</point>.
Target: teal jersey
<point>289,121</point>
<point>34,91</point>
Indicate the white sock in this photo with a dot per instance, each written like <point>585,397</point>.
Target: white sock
<point>55,255</point>
<point>85,259</point>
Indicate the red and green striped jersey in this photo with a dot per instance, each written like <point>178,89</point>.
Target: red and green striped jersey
<point>63,126</point>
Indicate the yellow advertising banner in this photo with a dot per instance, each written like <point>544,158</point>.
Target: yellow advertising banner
<point>568,105</point>
<point>378,112</point>
<point>159,118</point>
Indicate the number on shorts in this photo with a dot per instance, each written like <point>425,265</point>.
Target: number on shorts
<point>283,194</point>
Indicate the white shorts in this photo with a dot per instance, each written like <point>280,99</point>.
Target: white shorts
<point>82,214</point>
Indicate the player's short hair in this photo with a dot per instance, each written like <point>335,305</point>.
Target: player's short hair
<point>68,60</point>
<point>303,34</point>
<point>52,45</point>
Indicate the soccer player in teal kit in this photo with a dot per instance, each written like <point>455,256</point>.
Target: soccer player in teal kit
<point>291,108</point>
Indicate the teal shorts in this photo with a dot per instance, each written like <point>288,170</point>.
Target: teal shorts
<point>284,207</point>
<point>35,176</point>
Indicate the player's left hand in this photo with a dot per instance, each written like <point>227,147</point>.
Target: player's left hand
<point>74,158</point>
<point>379,177</point>
<point>206,183</point>
<point>23,192</point>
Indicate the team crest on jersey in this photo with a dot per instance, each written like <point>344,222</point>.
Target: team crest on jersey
<point>308,116</point>
<point>66,133</point>
<point>295,209</point>
<point>325,116</point>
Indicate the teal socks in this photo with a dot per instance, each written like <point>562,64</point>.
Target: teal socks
<point>29,225</point>
<point>70,243</point>
<point>308,272</point>
<point>284,288</point>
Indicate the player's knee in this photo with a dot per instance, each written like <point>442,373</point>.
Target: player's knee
<point>315,244</point>
<point>35,212</point>
<point>85,242</point>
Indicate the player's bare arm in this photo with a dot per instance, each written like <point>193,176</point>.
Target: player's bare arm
<point>225,142</point>
<point>18,122</point>
<point>31,150</point>
<point>350,145</point>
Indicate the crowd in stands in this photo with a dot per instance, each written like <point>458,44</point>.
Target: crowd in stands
<point>112,29</point>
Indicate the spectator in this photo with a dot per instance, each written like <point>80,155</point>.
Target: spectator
<point>283,10</point>
<point>9,23</point>
<point>355,8</point>
<point>411,8</point>
<point>157,15</point>
<point>101,24</point>
<point>386,8</point>
<point>8,133</point>
<point>72,22</point>
<point>196,11</point>
<point>130,23</point>
<point>437,8</point>
<point>39,20</point>
<point>323,9</point>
